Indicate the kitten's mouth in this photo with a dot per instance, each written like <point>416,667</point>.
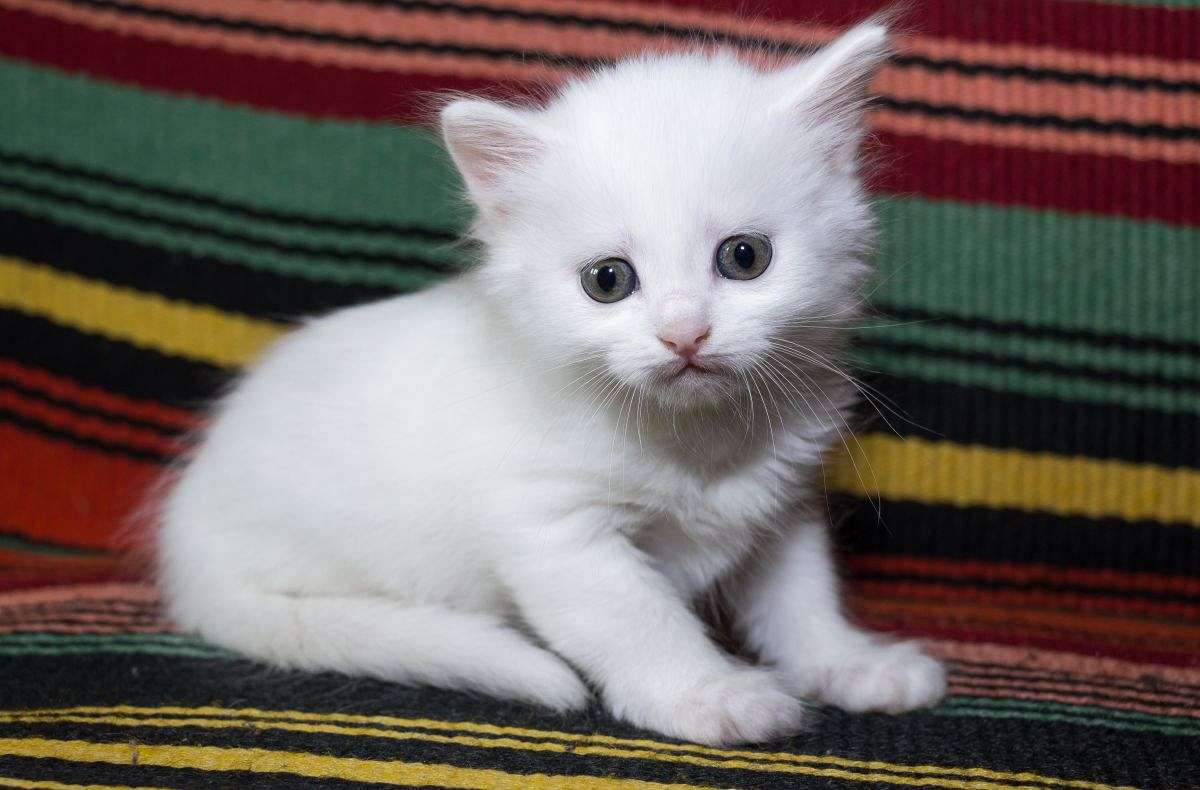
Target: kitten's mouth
<point>690,370</point>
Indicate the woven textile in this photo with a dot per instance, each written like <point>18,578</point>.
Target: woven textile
<point>181,178</point>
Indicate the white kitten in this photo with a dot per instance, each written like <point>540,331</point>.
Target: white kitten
<point>534,470</point>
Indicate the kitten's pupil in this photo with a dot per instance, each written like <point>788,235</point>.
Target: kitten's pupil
<point>743,255</point>
<point>606,278</point>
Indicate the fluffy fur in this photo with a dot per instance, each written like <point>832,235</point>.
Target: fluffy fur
<point>501,485</point>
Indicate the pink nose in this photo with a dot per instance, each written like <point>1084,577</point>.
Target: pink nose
<point>685,343</point>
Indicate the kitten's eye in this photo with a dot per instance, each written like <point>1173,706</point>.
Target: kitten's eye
<point>743,257</point>
<point>609,280</point>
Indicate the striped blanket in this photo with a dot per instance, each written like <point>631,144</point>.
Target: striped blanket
<point>180,179</point>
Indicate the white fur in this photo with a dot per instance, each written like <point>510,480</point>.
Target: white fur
<point>495,484</point>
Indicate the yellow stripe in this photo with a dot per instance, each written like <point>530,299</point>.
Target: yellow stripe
<point>144,319</point>
<point>912,469</point>
<point>974,476</point>
<point>38,784</point>
<point>781,762</point>
<point>215,758</point>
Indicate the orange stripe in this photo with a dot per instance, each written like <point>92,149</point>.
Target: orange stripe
<point>1150,702</point>
<point>1015,95</point>
<point>33,627</point>
<point>980,91</point>
<point>1036,138</point>
<point>912,83</point>
<point>95,398</point>
<point>110,591</point>
<point>1051,58</point>
<point>1024,574</point>
<point>1074,664</point>
<point>319,54</point>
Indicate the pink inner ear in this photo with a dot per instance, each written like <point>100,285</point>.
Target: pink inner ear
<point>487,141</point>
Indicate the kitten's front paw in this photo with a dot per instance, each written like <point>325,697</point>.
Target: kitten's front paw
<point>746,706</point>
<point>891,678</point>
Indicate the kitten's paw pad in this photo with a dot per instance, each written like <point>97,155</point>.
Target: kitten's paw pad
<point>742,707</point>
<point>889,678</point>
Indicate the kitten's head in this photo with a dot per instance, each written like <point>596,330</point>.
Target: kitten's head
<point>678,219</point>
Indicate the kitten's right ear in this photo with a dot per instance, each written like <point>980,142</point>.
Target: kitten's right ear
<point>488,142</point>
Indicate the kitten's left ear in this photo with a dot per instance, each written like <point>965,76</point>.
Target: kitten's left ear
<point>829,88</point>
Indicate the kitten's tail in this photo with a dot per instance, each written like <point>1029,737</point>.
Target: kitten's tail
<point>379,638</point>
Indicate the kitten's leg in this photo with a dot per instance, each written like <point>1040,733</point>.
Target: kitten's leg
<point>787,606</point>
<point>596,599</point>
<point>381,638</point>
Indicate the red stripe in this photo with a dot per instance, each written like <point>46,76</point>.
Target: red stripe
<point>270,83</point>
<point>1090,603</point>
<point>1088,26</point>
<point>54,491</point>
<point>914,165</point>
<point>1024,573</point>
<point>1141,189</point>
<point>94,398</point>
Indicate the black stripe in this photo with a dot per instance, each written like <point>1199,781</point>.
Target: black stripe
<point>60,434</point>
<point>208,202</point>
<point>117,367</point>
<point>46,547</point>
<point>174,223</point>
<point>176,275</point>
<point>974,415</point>
<point>774,45</point>
<point>510,759</point>
<point>1020,537</point>
<point>1152,344</point>
<point>87,411</point>
<point>1041,121</point>
<point>918,738</point>
<point>1103,376</point>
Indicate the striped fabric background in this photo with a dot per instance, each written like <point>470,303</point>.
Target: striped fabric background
<point>179,179</point>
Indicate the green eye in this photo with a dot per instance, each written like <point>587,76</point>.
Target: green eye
<point>743,257</point>
<point>609,280</point>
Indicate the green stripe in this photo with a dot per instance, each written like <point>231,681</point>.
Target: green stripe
<point>1080,272</point>
<point>170,210</point>
<point>1064,707</point>
<point>340,169</point>
<point>1082,721</point>
<point>1015,380</point>
<point>11,542</point>
<point>289,264</point>
<point>1035,349</point>
<point>51,638</point>
<point>76,644</point>
<point>1007,264</point>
